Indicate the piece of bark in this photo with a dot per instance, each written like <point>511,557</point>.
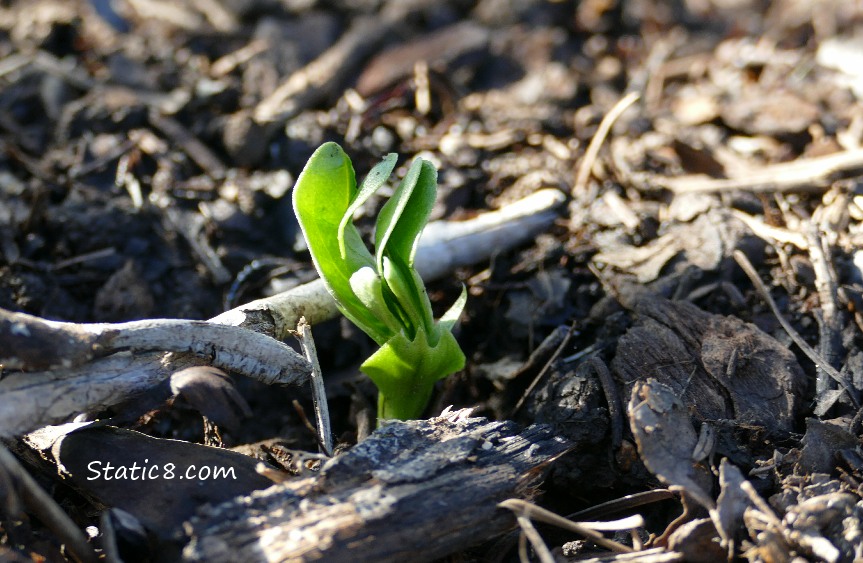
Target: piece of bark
<point>158,481</point>
<point>439,49</point>
<point>666,440</point>
<point>720,367</point>
<point>821,445</point>
<point>413,491</point>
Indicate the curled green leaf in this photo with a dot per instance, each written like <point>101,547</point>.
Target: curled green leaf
<point>376,178</point>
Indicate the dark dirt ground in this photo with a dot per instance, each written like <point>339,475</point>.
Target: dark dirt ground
<point>146,165</point>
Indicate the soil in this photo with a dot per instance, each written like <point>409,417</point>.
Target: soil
<point>148,155</point>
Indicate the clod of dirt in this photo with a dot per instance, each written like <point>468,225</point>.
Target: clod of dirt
<point>697,541</point>
<point>774,114</point>
<point>821,445</point>
<point>572,403</point>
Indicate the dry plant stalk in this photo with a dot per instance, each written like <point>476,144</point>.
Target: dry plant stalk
<point>92,380</point>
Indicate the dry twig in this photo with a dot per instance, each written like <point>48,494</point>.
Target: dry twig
<point>830,321</point>
<point>819,362</point>
<point>584,529</point>
<point>38,344</point>
<point>43,506</point>
<point>535,540</point>
<point>319,394</point>
<point>31,400</point>
<point>596,143</point>
<point>311,83</point>
<point>802,174</point>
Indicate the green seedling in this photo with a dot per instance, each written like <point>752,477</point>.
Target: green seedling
<point>382,294</point>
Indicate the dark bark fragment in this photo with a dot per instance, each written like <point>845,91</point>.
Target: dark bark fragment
<point>412,491</point>
<point>722,367</point>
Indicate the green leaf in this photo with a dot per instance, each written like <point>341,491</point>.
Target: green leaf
<point>404,216</point>
<point>376,178</point>
<point>367,286</point>
<point>322,194</point>
<point>450,318</point>
<point>410,292</point>
<point>405,372</point>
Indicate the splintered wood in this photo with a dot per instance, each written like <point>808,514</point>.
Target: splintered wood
<point>433,484</point>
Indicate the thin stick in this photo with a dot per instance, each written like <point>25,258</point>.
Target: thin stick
<point>227,63</point>
<point>819,362</point>
<point>109,538</point>
<point>524,508</point>
<point>523,555</point>
<point>628,502</point>
<point>596,143</point>
<point>802,174</point>
<point>301,412</point>
<point>535,540</point>
<point>43,506</point>
<point>202,249</point>
<point>543,371</point>
<point>319,394</point>
<point>831,320</point>
<point>770,233</point>
<point>191,145</point>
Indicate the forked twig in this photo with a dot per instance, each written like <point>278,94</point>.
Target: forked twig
<point>38,344</point>
<point>37,398</point>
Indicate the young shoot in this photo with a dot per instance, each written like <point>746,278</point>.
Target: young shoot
<point>382,293</point>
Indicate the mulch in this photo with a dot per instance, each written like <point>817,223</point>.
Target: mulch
<point>691,324</point>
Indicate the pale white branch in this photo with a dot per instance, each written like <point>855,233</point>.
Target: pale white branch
<point>87,382</point>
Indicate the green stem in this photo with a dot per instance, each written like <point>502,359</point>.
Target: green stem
<point>407,407</point>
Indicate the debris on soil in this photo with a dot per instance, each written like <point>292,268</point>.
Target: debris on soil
<point>668,207</point>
